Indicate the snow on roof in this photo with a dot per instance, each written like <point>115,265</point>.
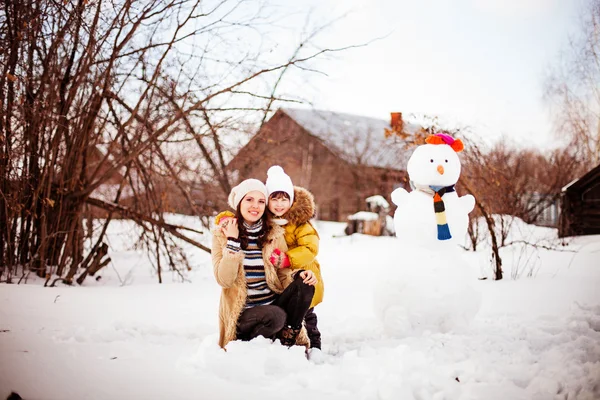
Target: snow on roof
<point>357,139</point>
<point>568,185</point>
<point>378,200</point>
<point>364,216</point>
<point>582,180</point>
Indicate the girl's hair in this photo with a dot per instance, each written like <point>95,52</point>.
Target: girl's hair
<point>279,194</point>
<point>262,234</point>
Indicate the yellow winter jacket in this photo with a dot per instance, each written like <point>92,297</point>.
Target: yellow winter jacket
<point>301,237</point>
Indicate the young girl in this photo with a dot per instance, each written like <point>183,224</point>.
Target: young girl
<point>257,299</point>
<point>293,207</point>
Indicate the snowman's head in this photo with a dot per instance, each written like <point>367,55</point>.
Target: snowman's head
<point>436,163</point>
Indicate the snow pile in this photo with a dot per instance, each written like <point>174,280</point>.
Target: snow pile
<point>427,291</point>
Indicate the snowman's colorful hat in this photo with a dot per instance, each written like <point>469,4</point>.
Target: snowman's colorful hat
<point>442,138</point>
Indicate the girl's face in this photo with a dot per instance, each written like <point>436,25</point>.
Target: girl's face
<point>279,205</point>
<point>252,206</point>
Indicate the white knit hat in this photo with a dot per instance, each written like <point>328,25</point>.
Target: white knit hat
<point>279,181</point>
<point>245,187</point>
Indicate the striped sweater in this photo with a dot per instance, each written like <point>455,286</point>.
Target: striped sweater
<point>259,293</point>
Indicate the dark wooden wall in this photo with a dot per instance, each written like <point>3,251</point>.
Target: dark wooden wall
<point>580,206</point>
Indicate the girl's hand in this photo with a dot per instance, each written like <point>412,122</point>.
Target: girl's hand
<point>308,277</point>
<point>279,259</point>
<point>230,228</point>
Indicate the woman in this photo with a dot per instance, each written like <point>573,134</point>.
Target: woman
<point>257,299</point>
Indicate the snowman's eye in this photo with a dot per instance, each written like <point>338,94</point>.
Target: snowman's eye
<point>446,160</point>
<point>431,160</point>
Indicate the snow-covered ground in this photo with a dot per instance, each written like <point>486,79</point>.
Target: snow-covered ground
<point>536,335</point>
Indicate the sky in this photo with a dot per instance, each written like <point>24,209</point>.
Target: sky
<point>477,63</point>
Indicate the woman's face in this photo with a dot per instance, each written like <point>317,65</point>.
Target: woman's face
<point>253,206</point>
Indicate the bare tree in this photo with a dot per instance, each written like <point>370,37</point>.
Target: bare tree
<point>510,182</point>
<point>140,100</point>
<point>573,91</point>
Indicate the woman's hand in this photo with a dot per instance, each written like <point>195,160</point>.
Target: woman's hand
<point>229,227</point>
<point>308,277</point>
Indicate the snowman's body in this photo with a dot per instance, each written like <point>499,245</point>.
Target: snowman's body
<point>431,288</point>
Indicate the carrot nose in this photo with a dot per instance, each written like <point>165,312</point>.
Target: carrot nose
<point>440,169</point>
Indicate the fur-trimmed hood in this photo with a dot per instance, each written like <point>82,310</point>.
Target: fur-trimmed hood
<point>303,207</point>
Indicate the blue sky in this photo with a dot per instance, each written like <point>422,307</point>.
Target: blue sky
<point>480,63</point>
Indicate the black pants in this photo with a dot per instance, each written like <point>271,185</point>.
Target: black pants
<point>311,328</point>
<point>289,308</point>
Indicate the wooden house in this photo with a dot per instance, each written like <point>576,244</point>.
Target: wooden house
<point>341,158</point>
<point>580,206</point>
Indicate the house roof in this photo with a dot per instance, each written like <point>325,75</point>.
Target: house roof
<point>582,181</point>
<point>357,139</point>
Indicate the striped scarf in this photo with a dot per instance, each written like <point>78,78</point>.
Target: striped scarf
<point>443,230</point>
<point>259,292</point>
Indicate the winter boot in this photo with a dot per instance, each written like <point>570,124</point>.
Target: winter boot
<point>288,335</point>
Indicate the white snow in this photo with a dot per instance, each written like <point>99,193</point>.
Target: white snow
<point>568,185</point>
<point>378,200</point>
<point>536,337</point>
<point>432,290</point>
<point>364,216</point>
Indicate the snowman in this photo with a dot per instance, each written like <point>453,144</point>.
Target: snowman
<point>430,287</point>
<point>433,211</point>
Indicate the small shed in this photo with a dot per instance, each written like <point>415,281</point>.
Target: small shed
<point>580,206</point>
<point>366,222</point>
<point>374,221</point>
